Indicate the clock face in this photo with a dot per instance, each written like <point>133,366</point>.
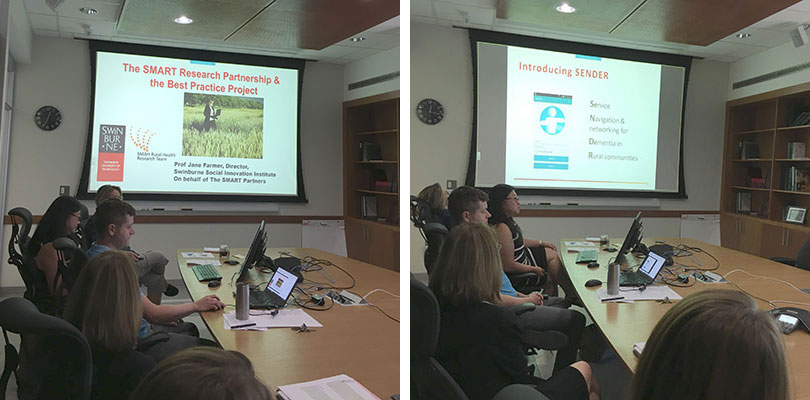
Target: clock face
<point>48,118</point>
<point>430,111</point>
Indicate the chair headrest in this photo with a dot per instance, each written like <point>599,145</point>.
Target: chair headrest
<point>425,319</point>
<point>20,316</point>
<point>26,219</point>
<point>85,213</point>
<point>420,212</point>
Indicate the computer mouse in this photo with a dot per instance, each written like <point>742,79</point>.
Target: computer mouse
<point>593,264</point>
<point>593,282</point>
<point>214,283</point>
<point>231,262</point>
<point>611,249</point>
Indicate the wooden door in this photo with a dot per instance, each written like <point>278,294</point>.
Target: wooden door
<point>356,239</point>
<point>782,241</point>
<point>729,231</point>
<point>383,249</point>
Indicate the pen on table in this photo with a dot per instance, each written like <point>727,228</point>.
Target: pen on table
<point>613,298</point>
<point>243,325</point>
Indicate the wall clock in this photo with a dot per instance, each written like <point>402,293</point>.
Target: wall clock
<point>48,118</point>
<point>430,111</point>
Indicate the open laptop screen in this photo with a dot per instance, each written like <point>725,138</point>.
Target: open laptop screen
<point>282,283</point>
<point>652,265</point>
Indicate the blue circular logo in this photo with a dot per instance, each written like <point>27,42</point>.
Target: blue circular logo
<point>552,120</point>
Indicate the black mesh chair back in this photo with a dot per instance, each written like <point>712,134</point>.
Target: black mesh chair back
<point>429,380</point>
<point>21,221</point>
<point>435,235</point>
<point>55,361</point>
<point>71,260</point>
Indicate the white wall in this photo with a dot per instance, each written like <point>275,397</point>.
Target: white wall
<point>783,56</point>
<point>379,64</point>
<point>59,75</point>
<point>441,68</point>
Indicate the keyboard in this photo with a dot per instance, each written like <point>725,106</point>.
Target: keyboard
<point>587,256</point>
<point>206,272</point>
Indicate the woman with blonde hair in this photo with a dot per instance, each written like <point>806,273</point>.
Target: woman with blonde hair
<point>479,341</point>
<point>105,306</point>
<point>436,198</point>
<point>202,373</point>
<point>713,344</point>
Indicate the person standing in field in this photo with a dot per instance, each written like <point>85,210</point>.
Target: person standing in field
<point>210,117</point>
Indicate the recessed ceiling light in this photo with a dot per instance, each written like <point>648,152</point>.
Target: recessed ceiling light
<point>743,35</point>
<point>565,8</point>
<point>183,20</point>
<point>88,10</point>
<point>357,39</point>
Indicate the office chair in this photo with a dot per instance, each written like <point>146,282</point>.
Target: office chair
<point>21,221</point>
<point>433,232</point>
<point>71,260</point>
<point>429,380</point>
<point>54,361</point>
<point>802,259</point>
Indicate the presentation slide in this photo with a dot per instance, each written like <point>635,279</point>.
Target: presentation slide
<point>174,126</point>
<point>557,120</point>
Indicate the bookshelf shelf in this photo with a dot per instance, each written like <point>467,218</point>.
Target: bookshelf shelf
<point>761,146</point>
<point>750,188</point>
<point>376,192</point>
<point>755,131</point>
<point>382,132</point>
<point>377,162</point>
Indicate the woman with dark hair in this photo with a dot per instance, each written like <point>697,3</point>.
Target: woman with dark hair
<point>519,254</point>
<point>713,344</point>
<point>436,198</point>
<point>60,220</point>
<point>105,306</point>
<point>480,341</point>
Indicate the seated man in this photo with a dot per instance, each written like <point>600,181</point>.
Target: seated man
<point>114,220</point>
<point>151,264</point>
<point>468,204</point>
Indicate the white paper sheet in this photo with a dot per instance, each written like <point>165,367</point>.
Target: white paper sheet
<point>340,387</point>
<point>197,255</point>
<point>291,318</point>
<point>628,294</point>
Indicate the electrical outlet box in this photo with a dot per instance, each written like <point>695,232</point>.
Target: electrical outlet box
<point>451,184</point>
<point>64,190</point>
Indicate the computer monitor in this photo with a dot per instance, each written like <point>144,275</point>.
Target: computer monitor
<point>630,241</point>
<point>254,253</point>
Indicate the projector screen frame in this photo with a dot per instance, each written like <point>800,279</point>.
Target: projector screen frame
<point>508,39</point>
<point>202,55</point>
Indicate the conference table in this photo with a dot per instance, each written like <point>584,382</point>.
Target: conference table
<point>624,324</point>
<point>359,341</point>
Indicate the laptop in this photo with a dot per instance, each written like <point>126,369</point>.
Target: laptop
<point>277,291</point>
<point>646,273</point>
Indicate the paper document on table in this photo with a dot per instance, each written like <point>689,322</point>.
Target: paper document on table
<point>215,263</point>
<point>211,249</point>
<point>340,387</point>
<point>292,318</point>
<point>197,255</point>
<point>638,348</point>
<point>590,245</point>
<point>628,294</point>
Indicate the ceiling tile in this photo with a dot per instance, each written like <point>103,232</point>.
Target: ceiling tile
<point>783,21</point>
<point>464,13</point>
<point>38,7</point>
<point>803,5</point>
<point>422,20</point>
<point>421,8</point>
<point>760,37</point>
<point>40,21</point>
<point>74,25</point>
<point>106,12</point>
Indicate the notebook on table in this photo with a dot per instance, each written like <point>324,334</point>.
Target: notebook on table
<point>277,291</point>
<point>646,273</point>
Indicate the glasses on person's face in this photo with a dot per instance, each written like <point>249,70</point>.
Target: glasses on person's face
<point>515,198</point>
<point>77,215</point>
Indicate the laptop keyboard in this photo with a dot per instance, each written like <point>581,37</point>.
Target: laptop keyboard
<point>587,256</point>
<point>206,272</point>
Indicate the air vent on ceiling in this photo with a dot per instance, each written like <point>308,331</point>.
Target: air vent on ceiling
<point>770,75</point>
<point>373,81</point>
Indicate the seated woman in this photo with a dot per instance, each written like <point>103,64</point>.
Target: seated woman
<point>60,220</point>
<point>105,305</point>
<point>525,255</point>
<point>713,344</point>
<point>436,197</point>
<point>479,341</point>
<point>203,373</point>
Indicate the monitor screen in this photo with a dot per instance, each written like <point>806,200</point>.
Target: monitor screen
<point>282,283</point>
<point>253,254</point>
<point>633,237</point>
